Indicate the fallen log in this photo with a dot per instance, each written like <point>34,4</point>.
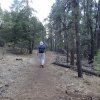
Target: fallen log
<point>66,66</point>
<point>87,71</point>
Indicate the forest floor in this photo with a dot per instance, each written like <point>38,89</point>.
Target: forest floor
<point>22,78</point>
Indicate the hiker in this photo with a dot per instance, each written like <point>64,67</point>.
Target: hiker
<point>41,53</point>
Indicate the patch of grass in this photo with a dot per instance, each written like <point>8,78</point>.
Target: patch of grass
<point>97,61</point>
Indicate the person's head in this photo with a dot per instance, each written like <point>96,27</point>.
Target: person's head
<point>41,43</point>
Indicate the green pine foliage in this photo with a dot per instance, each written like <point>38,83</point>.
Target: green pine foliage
<point>20,26</point>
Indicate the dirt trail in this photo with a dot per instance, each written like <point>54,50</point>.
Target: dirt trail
<point>22,78</point>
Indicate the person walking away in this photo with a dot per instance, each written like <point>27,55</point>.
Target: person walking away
<point>41,52</point>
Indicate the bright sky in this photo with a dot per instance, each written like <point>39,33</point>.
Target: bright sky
<point>41,6</point>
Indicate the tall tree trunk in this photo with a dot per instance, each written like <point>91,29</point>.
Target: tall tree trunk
<point>51,42</point>
<point>76,22</point>
<point>72,56</point>
<point>67,54</point>
<point>65,39</point>
<point>96,35</point>
<point>99,24</point>
<point>30,47</point>
<point>55,43</point>
<point>90,31</point>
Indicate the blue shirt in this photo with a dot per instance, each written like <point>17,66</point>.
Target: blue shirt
<point>41,48</point>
